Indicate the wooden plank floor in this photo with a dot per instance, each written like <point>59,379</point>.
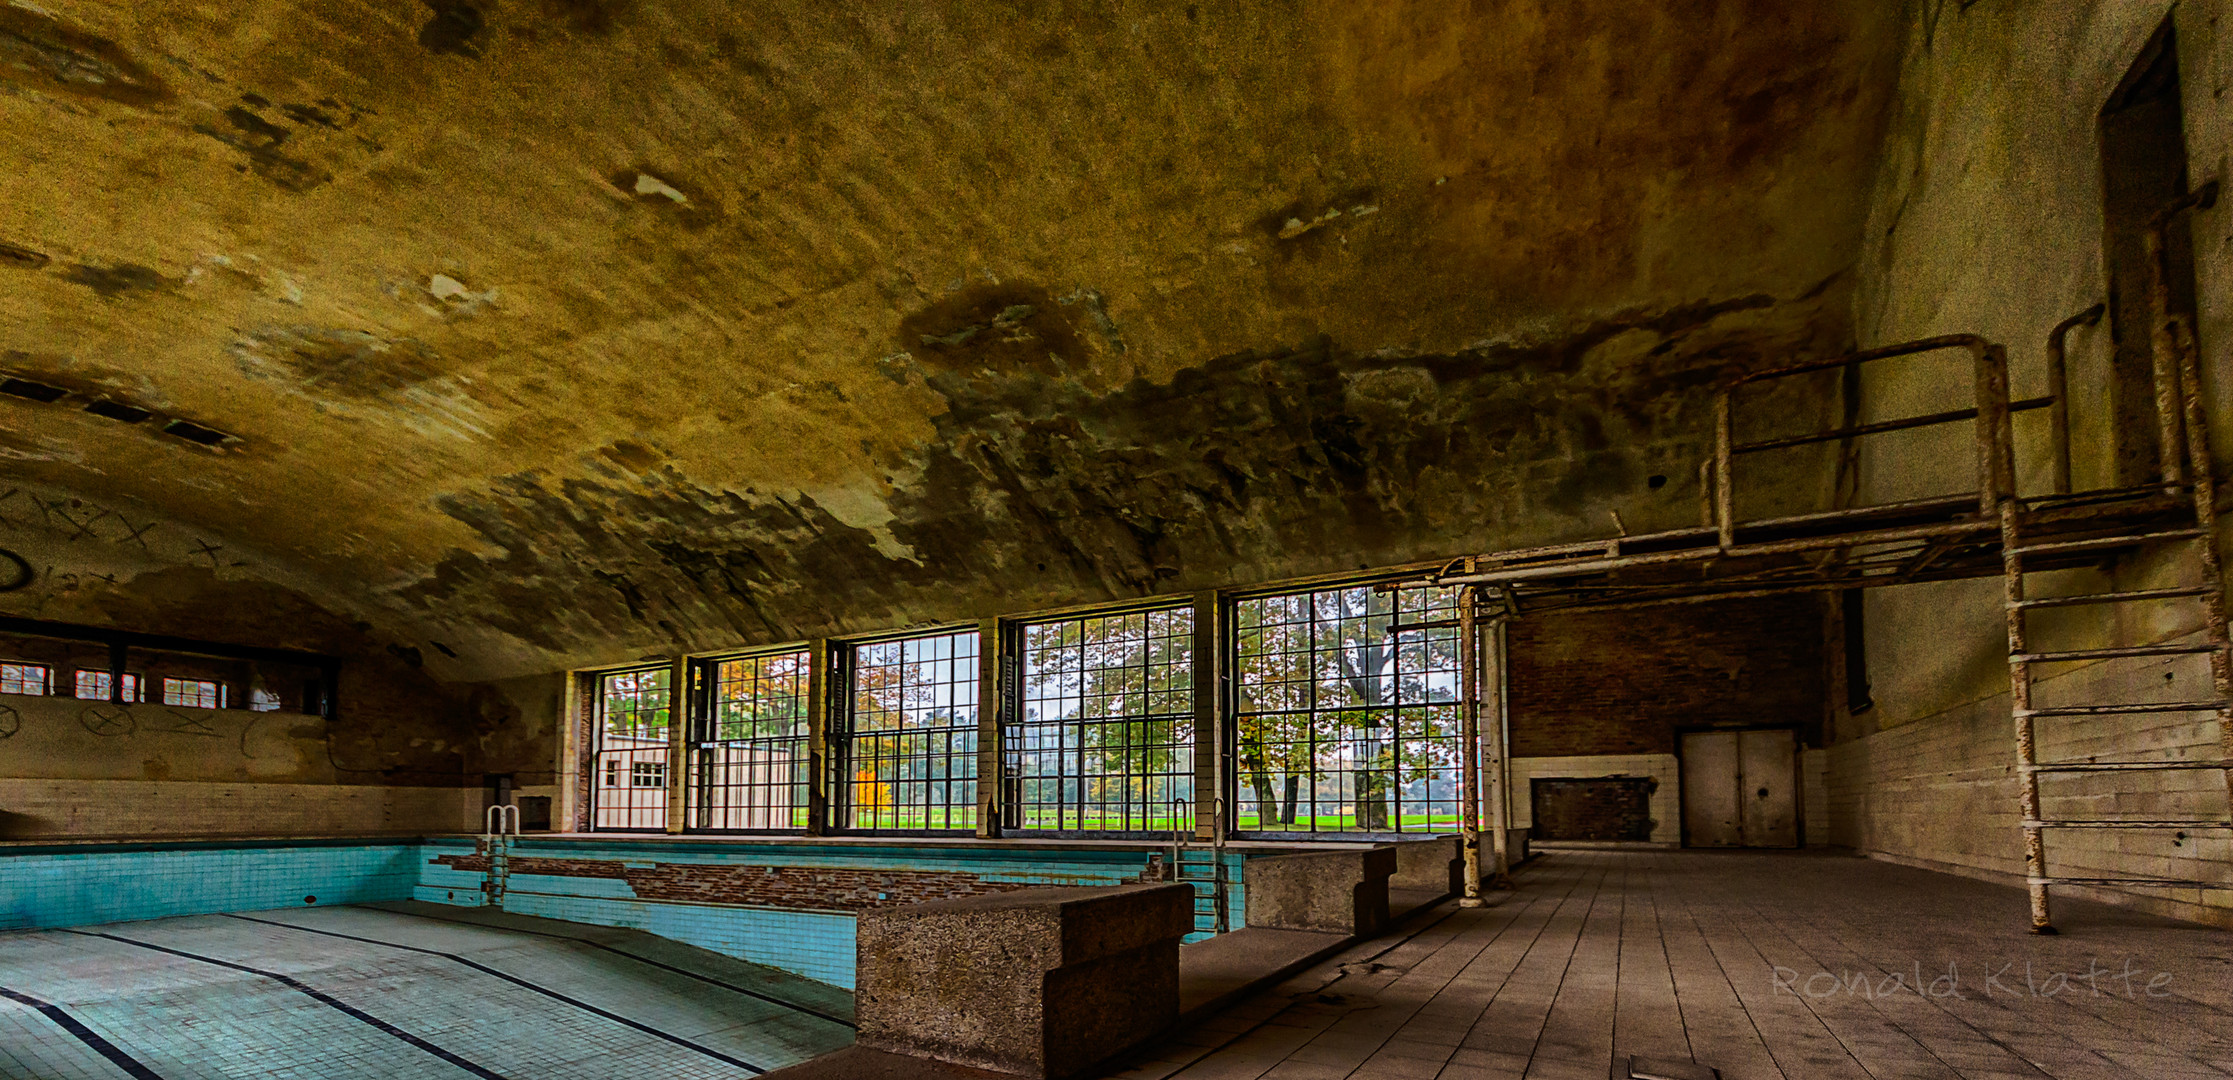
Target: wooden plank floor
<point>1766,966</point>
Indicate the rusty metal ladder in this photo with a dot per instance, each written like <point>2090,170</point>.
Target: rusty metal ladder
<point>2181,407</point>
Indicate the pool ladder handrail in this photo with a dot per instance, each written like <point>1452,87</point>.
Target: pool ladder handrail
<point>1183,827</point>
<point>501,824</point>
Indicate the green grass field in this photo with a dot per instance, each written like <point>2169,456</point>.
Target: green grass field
<point>1347,823</point>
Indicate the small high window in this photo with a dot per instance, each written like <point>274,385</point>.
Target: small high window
<point>651,774</point>
<point>95,686</point>
<point>18,678</point>
<point>193,693</point>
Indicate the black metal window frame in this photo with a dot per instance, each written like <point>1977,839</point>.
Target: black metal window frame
<point>1291,707</point>
<point>749,717</point>
<point>1098,736</point>
<point>903,733</point>
<point>614,769</point>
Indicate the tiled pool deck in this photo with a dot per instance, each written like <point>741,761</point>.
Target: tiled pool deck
<point>405,990</point>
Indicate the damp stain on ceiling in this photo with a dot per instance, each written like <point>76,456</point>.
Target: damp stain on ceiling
<point>563,331</point>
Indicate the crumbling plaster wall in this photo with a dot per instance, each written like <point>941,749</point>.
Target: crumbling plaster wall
<point>567,332</point>
<point>405,753</point>
<point>1988,219</point>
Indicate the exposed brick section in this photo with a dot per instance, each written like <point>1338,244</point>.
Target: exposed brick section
<point>1624,682</point>
<point>796,888</point>
<point>585,750</point>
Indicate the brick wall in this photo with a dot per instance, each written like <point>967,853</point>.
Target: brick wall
<point>1624,682</point>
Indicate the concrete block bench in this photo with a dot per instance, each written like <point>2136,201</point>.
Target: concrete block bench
<point>1343,892</point>
<point>1436,863</point>
<point>1034,983</point>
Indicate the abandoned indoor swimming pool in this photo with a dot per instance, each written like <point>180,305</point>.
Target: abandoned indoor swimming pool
<point>975,539</point>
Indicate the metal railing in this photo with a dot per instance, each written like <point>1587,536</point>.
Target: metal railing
<point>500,825</point>
<point>1211,872</point>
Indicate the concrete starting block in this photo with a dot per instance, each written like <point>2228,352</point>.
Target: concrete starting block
<point>1344,892</point>
<point>1041,983</point>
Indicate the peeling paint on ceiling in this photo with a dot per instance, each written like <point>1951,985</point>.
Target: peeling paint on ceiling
<point>564,331</point>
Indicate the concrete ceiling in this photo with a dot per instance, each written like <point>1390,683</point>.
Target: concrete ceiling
<point>560,331</point>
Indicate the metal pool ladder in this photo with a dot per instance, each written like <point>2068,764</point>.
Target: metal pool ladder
<point>1202,866</point>
<point>495,845</point>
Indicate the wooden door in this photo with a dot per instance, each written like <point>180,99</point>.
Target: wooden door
<point>1712,816</point>
<point>1740,788</point>
<point>1767,787</point>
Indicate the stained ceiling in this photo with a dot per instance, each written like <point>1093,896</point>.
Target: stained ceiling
<point>562,331</point>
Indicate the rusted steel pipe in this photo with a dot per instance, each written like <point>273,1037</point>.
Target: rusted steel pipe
<point>1725,504</point>
<point>1996,457</point>
<point>2058,391</point>
<point>1882,426</point>
<point>1469,737</point>
<point>2162,337</point>
<point>2019,688</point>
<point>1659,558</point>
<point>2205,518</point>
<point>1498,788</point>
<point>1975,344</point>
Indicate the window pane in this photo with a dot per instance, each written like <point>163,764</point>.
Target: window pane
<point>748,762</point>
<point>22,679</point>
<point>1105,742</point>
<point>1343,725</point>
<point>633,711</point>
<point>195,693</point>
<point>911,760</point>
<point>95,685</point>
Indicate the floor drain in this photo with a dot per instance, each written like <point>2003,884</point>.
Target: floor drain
<point>1643,1068</point>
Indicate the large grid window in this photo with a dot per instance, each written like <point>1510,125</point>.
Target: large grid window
<point>23,679</point>
<point>1341,725</point>
<point>748,764</point>
<point>633,711</point>
<point>908,762</point>
<point>1105,738</point>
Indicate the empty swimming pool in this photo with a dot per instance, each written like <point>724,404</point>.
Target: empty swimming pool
<point>396,990</point>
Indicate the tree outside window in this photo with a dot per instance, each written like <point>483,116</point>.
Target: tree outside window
<point>1343,726</point>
